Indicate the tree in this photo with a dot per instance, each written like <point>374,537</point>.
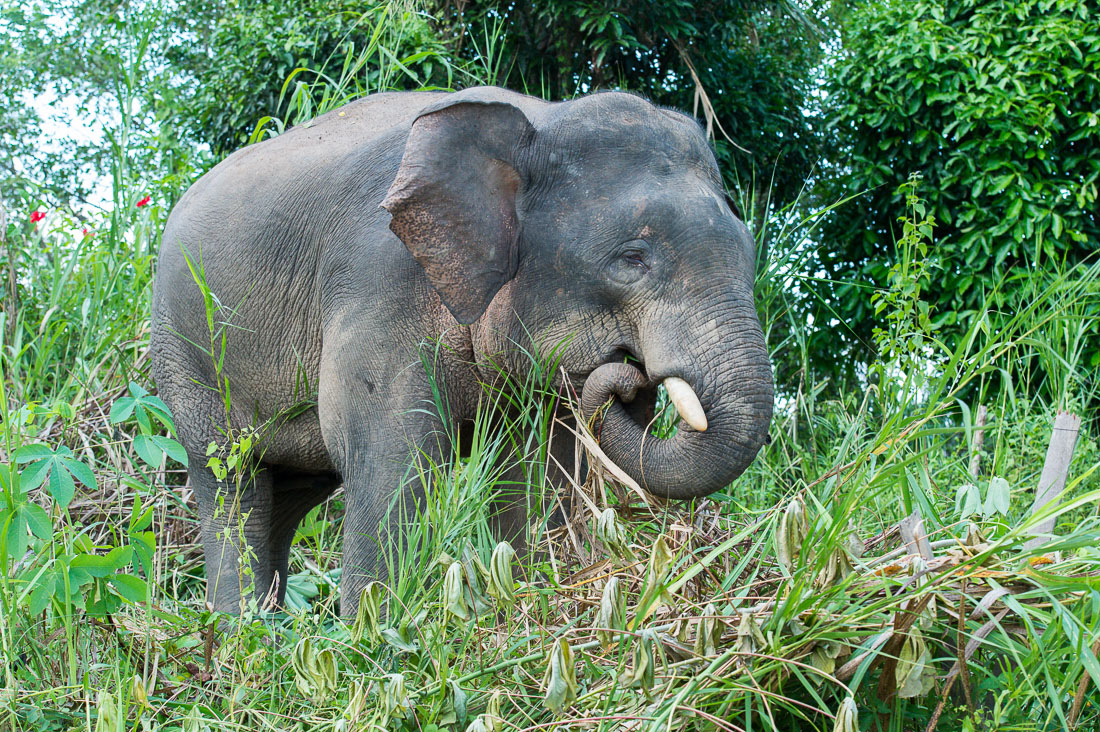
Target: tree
<point>256,55</point>
<point>997,104</point>
<point>753,59</point>
<point>198,76</point>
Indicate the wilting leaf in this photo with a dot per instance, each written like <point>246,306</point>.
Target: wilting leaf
<point>997,497</point>
<point>561,684</point>
<point>106,712</point>
<point>612,612</point>
<point>791,533</point>
<point>913,673</point>
<point>824,657</point>
<point>501,584</point>
<point>750,639</point>
<point>968,500</point>
<point>353,713</point>
<point>481,723</point>
<point>836,569</point>
<point>708,632</point>
<point>325,673</point>
<point>847,716</point>
<point>643,662</point>
<point>656,582</point>
<point>454,592</point>
<point>454,704</point>
<point>195,722</point>
<point>301,660</point>
<point>368,616</point>
<point>137,692</point>
<point>395,699</point>
<point>314,673</point>
<point>490,721</point>
<point>611,533</point>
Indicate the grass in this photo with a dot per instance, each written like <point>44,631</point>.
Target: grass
<point>785,602</point>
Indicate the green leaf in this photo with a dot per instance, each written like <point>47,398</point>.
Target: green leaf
<point>148,450</point>
<point>130,587</point>
<point>80,471</point>
<point>171,448</point>
<point>997,497</point>
<point>16,535</point>
<point>37,520</point>
<point>30,453</point>
<point>122,409</point>
<point>61,485</point>
<point>40,596</point>
<point>33,475</point>
<point>98,565</point>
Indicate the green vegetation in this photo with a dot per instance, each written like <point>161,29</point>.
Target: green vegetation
<point>996,104</point>
<point>785,602</point>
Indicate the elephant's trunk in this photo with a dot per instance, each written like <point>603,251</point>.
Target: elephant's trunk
<point>736,402</point>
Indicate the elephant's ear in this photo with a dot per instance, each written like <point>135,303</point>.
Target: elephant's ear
<point>453,201</point>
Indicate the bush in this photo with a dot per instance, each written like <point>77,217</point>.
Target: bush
<point>995,103</point>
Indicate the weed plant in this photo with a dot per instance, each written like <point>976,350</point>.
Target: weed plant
<point>787,601</point>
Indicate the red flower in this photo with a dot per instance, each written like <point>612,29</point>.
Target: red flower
<point>87,233</point>
<point>37,216</point>
<point>143,202</point>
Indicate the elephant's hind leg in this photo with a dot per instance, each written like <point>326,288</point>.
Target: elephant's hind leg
<point>236,517</point>
<point>295,494</point>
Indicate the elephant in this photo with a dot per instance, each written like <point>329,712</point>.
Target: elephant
<point>483,220</point>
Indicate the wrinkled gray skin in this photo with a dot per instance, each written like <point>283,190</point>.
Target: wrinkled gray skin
<point>484,219</point>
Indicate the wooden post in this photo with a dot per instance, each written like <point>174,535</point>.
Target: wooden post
<point>912,534</point>
<point>1052,481</point>
<point>979,438</point>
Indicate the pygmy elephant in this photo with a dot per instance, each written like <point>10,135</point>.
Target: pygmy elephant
<point>300,277</point>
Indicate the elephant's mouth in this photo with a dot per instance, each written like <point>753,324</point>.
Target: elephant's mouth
<point>640,394</point>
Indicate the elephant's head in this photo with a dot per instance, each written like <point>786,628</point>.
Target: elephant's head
<point>602,221</point>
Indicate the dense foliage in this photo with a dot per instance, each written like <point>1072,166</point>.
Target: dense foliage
<point>254,55</point>
<point>753,60</point>
<point>996,103</point>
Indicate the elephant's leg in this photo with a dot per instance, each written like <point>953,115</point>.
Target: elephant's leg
<point>295,494</point>
<point>235,519</point>
<point>382,497</point>
<point>522,510</point>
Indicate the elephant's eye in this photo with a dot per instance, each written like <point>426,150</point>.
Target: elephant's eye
<point>635,257</point>
<point>631,262</point>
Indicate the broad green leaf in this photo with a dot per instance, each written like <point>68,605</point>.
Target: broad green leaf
<point>148,450</point>
<point>80,471</point>
<point>130,587</point>
<point>33,475</point>
<point>171,448</point>
<point>16,535</point>
<point>61,484</point>
<point>30,453</point>
<point>997,497</point>
<point>122,409</point>
<point>38,520</point>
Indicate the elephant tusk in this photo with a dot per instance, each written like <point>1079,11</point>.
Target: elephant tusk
<point>686,403</point>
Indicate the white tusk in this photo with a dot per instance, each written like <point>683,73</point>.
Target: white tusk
<point>686,403</point>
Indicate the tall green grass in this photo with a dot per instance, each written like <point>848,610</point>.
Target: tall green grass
<point>767,606</point>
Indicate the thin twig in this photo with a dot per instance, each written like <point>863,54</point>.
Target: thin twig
<point>1082,687</point>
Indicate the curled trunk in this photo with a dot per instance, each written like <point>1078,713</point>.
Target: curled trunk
<point>690,463</point>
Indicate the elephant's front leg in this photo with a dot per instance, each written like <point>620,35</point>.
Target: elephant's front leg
<point>381,444</point>
<point>384,487</point>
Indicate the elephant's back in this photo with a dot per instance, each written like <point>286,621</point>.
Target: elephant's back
<point>254,231</point>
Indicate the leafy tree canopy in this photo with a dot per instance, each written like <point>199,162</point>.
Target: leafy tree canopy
<point>753,59</point>
<point>996,104</point>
